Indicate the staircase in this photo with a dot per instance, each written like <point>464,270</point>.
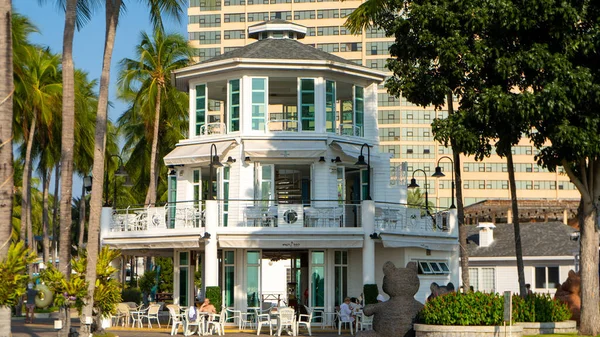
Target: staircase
<point>287,187</point>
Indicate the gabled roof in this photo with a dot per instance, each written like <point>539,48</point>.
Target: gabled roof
<point>279,49</point>
<point>537,239</point>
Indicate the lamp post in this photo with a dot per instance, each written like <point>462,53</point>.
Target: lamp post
<point>413,184</point>
<point>214,161</point>
<point>119,172</point>
<point>438,174</point>
<point>361,162</point>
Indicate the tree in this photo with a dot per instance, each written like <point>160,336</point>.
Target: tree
<point>427,71</point>
<point>113,9</point>
<point>150,73</point>
<point>6,136</point>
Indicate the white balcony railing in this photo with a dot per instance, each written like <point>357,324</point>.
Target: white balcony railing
<point>388,217</point>
<point>345,129</point>
<point>279,125</point>
<point>213,129</point>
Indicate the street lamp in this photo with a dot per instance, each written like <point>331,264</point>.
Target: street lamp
<point>214,161</point>
<point>413,184</point>
<point>438,174</point>
<point>119,172</point>
<point>361,163</point>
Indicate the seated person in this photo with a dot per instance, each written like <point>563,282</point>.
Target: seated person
<point>207,307</point>
<point>346,313</point>
<point>355,305</point>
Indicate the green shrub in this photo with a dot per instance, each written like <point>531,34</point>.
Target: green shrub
<point>13,273</point>
<point>214,295</point>
<point>132,295</point>
<point>370,293</point>
<point>539,308</point>
<point>473,308</point>
<point>477,308</point>
<point>104,334</point>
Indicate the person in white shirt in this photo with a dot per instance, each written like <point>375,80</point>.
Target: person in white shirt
<point>346,313</point>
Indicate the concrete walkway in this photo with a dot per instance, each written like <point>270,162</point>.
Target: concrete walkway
<point>44,327</point>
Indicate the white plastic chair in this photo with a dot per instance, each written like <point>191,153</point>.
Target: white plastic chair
<point>123,314</point>
<point>235,316</point>
<point>153,310</point>
<point>264,318</point>
<point>175,310</point>
<point>305,320</point>
<point>364,322</point>
<point>188,323</point>
<point>216,323</point>
<point>175,318</point>
<point>286,318</point>
<point>347,322</point>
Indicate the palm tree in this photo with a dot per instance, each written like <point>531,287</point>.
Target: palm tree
<point>37,93</point>
<point>6,135</point>
<point>113,8</point>
<point>150,72</point>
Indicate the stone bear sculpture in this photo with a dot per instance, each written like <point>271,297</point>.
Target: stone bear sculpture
<point>437,290</point>
<point>395,317</point>
<point>569,292</point>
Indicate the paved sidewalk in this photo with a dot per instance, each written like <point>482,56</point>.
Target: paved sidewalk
<point>44,327</point>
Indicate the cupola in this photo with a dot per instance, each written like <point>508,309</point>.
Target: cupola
<point>277,29</point>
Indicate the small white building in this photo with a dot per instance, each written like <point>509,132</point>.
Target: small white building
<point>549,252</point>
<point>282,162</point>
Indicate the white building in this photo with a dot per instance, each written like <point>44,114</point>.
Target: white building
<point>279,177</point>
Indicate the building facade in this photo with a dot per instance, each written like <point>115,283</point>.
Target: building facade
<point>219,26</point>
<point>293,171</point>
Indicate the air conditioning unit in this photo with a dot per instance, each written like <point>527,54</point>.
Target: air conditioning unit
<point>290,215</point>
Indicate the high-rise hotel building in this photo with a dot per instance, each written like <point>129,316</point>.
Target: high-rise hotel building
<point>218,26</point>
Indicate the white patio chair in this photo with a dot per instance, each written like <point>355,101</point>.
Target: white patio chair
<point>153,310</point>
<point>305,320</point>
<point>286,318</point>
<point>189,322</point>
<point>175,317</point>
<point>176,310</point>
<point>364,322</point>
<point>123,314</point>
<point>235,316</point>
<point>216,323</point>
<point>347,322</point>
<point>263,317</point>
<point>254,216</point>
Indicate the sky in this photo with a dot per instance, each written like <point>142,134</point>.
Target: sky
<point>88,45</point>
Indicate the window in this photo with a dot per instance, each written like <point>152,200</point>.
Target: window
<point>260,16</point>
<point>330,105</point>
<point>259,103</point>
<point>234,17</point>
<point>304,15</point>
<point>546,278</point>
<point>307,104</point>
<point>234,105</point>
<point>483,279</point>
<point>328,14</point>
<point>433,268</point>
<point>234,34</point>
<point>200,107</point>
<point>359,110</point>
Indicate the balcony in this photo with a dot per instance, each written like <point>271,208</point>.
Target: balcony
<point>327,216</point>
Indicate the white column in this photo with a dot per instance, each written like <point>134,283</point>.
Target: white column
<point>211,264</point>
<point>368,252</point>
<point>106,218</point>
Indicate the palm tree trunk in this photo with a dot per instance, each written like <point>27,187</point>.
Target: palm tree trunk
<point>81,218</point>
<point>66,159</point>
<point>55,213</point>
<point>151,195</point>
<point>462,230</point>
<point>26,204</point>
<point>45,216</point>
<point>516,225</point>
<point>6,136</point>
<point>67,140</point>
<point>113,8</point>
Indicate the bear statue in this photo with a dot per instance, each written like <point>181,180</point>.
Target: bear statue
<point>569,292</point>
<point>437,290</point>
<point>395,317</point>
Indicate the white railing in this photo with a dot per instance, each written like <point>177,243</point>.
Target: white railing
<point>345,129</point>
<point>278,125</point>
<point>213,129</point>
<point>391,218</point>
<point>153,218</point>
<point>264,213</point>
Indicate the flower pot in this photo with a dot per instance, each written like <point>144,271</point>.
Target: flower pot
<point>425,330</point>
<point>539,328</point>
